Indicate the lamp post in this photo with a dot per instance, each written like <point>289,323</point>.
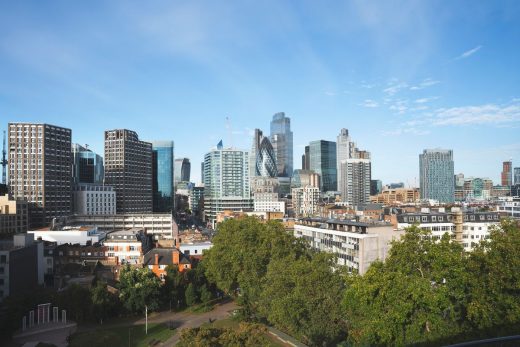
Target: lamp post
<point>146,319</point>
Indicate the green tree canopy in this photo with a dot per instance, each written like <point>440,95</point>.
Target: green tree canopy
<point>139,287</point>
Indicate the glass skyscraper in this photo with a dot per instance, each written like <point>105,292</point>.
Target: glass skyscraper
<point>262,158</point>
<point>182,170</point>
<point>87,166</point>
<point>162,173</point>
<point>322,160</point>
<point>282,141</point>
<point>437,179</point>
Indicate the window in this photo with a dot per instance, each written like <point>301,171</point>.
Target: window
<point>2,270</point>
<point>3,259</point>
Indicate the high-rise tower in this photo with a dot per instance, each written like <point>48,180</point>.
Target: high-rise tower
<point>162,176</point>
<point>436,173</point>
<point>282,141</point>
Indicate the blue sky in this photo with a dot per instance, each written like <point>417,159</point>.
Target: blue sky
<point>400,75</point>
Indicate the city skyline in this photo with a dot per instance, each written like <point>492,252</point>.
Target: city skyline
<point>400,78</point>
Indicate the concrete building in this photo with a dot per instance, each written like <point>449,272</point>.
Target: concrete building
<point>262,161</point>
<point>195,249</point>
<point>196,200</point>
<point>128,168</point>
<point>516,175</point>
<point>40,169</point>
<point>282,142</point>
<point>93,199</point>
<point>86,234</point>
<point>226,182</point>
<point>305,201</point>
<point>128,246</point>
<point>322,160</point>
<point>159,225</point>
<point>265,195</point>
<point>163,186</point>
<point>507,173</point>
<point>437,180</point>
<point>87,166</point>
<point>509,206</point>
<point>21,265</point>
<point>13,216</point>
<point>397,196</point>
<point>357,245</point>
<point>356,179</point>
<point>473,226</point>
<point>302,178</point>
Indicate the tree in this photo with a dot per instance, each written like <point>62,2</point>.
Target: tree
<point>300,296</point>
<point>104,303</point>
<point>417,295</point>
<point>247,335</point>
<point>494,303</point>
<point>139,287</point>
<point>174,286</point>
<point>191,295</point>
<point>77,301</point>
<point>205,294</point>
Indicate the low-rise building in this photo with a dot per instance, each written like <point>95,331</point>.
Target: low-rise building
<point>94,199</point>
<point>127,246</point>
<point>509,206</point>
<point>13,215</point>
<point>21,265</point>
<point>69,234</point>
<point>396,196</point>
<point>158,259</point>
<point>195,249</point>
<point>357,245</point>
<point>305,200</point>
<point>474,226</point>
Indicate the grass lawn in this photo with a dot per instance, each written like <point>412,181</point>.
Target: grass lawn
<point>120,336</point>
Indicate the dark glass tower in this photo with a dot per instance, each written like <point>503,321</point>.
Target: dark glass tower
<point>282,141</point>
<point>87,166</point>
<point>322,160</point>
<point>162,176</point>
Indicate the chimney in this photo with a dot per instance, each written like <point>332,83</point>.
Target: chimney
<point>156,259</point>
<point>175,257</point>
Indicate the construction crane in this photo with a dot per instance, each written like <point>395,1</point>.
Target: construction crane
<point>4,162</point>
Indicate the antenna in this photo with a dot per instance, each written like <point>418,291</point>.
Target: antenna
<point>4,162</point>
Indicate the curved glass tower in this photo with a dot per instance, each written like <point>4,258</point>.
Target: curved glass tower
<point>162,167</point>
<point>266,160</point>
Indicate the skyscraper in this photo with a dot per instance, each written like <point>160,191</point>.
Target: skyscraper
<point>322,160</point>
<point>128,168</point>
<point>282,141</point>
<point>182,170</point>
<point>87,166</point>
<point>436,171</point>
<point>356,175</point>
<point>226,181</point>
<point>262,161</point>
<point>507,173</point>
<point>517,175</point>
<point>343,152</point>
<point>162,176</point>
<point>40,169</point>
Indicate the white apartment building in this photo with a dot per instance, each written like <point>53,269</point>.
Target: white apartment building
<point>357,245</point>
<point>195,248</point>
<point>70,234</point>
<point>475,225</point>
<point>509,206</point>
<point>305,200</point>
<point>94,199</point>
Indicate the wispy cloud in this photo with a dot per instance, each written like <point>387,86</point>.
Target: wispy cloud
<point>400,106</point>
<point>329,93</point>
<point>406,131</point>
<point>394,88</point>
<point>469,53</point>
<point>425,100</point>
<point>369,103</point>
<point>482,114</point>
<point>428,82</point>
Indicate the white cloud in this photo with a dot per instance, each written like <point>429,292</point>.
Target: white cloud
<point>400,106</point>
<point>406,131</point>
<point>425,100</point>
<point>482,114</point>
<point>428,82</point>
<point>395,88</point>
<point>329,93</point>
<point>369,103</point>
<point>469,53</point>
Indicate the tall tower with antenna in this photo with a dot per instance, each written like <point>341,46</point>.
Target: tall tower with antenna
<point>4,162</point>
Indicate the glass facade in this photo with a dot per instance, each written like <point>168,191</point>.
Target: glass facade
<point>322,160</point>
<point>282,141</point>
<point>87,166</point>
<point>266,160</point>
<point>162,169</point>
<point>437,179</point>
<point>182,170</point>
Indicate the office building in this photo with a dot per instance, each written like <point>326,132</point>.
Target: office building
<point>83,235</point>
<point>509,206</point>
<point>93,199</point>
<point>302,178</point>
<point>226,182</point>
<point>322,160</point>
<point>266,195</point>
<point>128,168</point>
<point>162,176</point>
<point>344,147</point>
<point>356,181</point>
<point>516,175</point>
<point>436,174</point>
<point>13,216</point>
<point>196,200</point>
<point>305,159</point>
<point>182,170</point>
<point>21,265</point>
<point>507,174</point>
<point>376,187</point>
<point>305,201</point>
<point>40,170</point>
<point>262,161</point>
<point>282,142</point>
<point>356,245</point>
<point>202,173</point>
<point>396,196</point>
<point>87,166</point>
